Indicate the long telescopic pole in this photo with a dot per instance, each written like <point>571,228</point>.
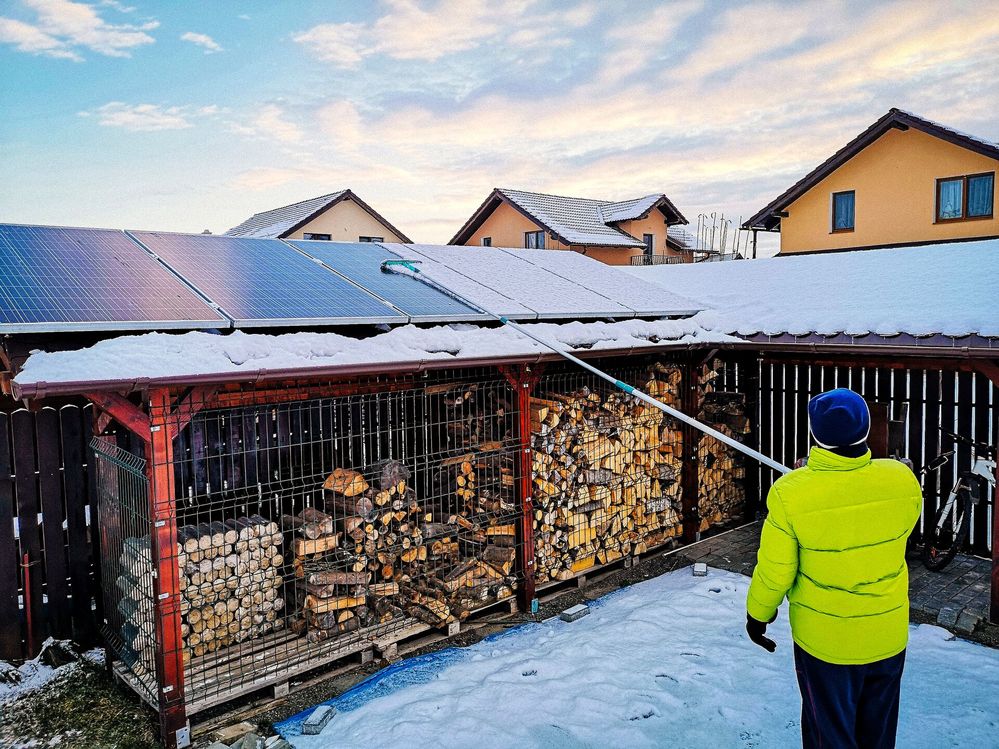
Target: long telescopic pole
<point>392,266</point>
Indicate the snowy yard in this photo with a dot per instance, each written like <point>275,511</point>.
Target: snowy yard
<point>662,663</point>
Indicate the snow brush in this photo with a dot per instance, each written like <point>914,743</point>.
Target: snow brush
<point>399,266</point>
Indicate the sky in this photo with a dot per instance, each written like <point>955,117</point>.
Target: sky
<point>186,116</point>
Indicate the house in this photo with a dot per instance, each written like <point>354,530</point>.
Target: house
<point>612,232</point>
<point>904,180</point>
<point>339,217</point>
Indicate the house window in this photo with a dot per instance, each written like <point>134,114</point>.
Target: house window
<point>487,241</point>
<point>843,210</point>
<point>322,237</point>
<point>534,240</point>
<point>650,244</point>
<point>371,239</point>
<point>967,197</point>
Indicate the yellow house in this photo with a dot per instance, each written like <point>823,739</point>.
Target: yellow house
<point>904,180</point>
<point>612,232</point>
<point>338,217</point>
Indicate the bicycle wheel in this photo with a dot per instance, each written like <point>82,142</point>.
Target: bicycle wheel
<point>943,541</point>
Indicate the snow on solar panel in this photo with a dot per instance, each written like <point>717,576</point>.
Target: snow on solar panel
<point>361,262</point>
<point>461,284</point>
<point>60,279</point>
<point>643,297</point>
<point>548,294</point>
<point>264,282</point>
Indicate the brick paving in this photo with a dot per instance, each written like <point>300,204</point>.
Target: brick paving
<point>957,598</point>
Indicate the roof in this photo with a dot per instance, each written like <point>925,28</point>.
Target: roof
<point>574,221</point>
<point>946,289</point>
<point>894,119</point>
<point>278,223</point>
<point>194,356</point>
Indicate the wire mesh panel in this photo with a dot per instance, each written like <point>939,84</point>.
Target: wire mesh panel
<point>606,469</point>
<point>309,529</point>
<point>721,470</point>
<point>129,626</point>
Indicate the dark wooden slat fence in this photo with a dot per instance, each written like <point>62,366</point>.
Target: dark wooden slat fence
<point>44,514</point>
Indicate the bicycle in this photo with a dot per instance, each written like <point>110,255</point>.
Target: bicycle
<point>952,522</point>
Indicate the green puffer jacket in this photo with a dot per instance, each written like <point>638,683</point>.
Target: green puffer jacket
<point>834,544</point>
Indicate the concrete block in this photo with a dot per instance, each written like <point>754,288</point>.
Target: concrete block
<point>575,612</point>
<point>967,621</point>
<point>319,719</point>
<point>700,569</point>
<point>249,741</point>
<point>948,616</point>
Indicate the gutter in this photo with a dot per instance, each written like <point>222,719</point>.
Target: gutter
<point>37,390</point>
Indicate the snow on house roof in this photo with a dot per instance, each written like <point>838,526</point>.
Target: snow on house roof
<point>278,221</point>
<point>153,356</point>
<point>948,289</point>
<point>578,221</point>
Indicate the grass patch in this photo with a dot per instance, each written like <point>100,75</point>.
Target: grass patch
<point>83,707</point>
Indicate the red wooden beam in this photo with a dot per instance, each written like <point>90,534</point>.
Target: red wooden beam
<point>126,413</point>
<point>991,370</point>
<point>524,380</point>
<point>166,584</point>
<point>188,407</point>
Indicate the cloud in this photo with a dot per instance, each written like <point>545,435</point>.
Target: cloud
<point>147,117</point>
<point>271,122</point>
<point>202,40</point>
<point>62,29</point>
<point>409,30</point>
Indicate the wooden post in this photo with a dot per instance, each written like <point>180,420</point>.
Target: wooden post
<point>166,583</point>
<point>523,380</point>
<point>688,473</point>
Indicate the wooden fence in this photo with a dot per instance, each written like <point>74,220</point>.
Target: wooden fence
<point>965,403</point>
<point>46,560</point>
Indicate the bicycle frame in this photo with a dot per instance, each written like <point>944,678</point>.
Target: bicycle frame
<point>983,469</point>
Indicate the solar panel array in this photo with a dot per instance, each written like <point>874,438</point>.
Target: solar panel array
<point>62,279</point>
<point>361,262</point>
<point>547,294</point>
<point>265,283</point>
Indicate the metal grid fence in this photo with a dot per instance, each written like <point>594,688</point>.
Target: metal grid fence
<point>307,529</point>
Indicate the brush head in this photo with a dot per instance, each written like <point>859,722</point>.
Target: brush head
<point>391,266</point>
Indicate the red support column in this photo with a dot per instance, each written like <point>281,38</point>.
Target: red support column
<point>688,473</point>
<point>524,380</point>
<point>166,583</point>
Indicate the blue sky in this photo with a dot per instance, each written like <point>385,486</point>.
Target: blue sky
<point>192,115</point>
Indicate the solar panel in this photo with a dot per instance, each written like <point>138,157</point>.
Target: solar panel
<point>56,279</point>
<point>264,282</point>
<point>548,294</point>
<point>361,262</point>
<point>643,297</point>
<point>463,284</point>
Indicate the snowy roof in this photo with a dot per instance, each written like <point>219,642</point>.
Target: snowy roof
<point>574,220</point>
<point>280,222</point>
<point>947,289</point>
<point>768,219</point>
<point>548,283</point>
<point>153,356</point>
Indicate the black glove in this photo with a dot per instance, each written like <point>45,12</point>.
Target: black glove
<point>756,631</point>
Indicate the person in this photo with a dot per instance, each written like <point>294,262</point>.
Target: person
<point>834,544</point>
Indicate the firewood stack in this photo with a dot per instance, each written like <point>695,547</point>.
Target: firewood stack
<point>230,585</point>
<point>606,471</point>
<point>721,470</point>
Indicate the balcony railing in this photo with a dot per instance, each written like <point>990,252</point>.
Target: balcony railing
<point>659,259</point>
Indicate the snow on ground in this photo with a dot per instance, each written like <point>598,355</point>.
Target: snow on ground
<point>662,663</point>
<point>34,674</point>
<point>155,355</point>
<point>945,288</point>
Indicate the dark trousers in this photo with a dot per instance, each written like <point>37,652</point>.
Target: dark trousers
<point>848,707</point>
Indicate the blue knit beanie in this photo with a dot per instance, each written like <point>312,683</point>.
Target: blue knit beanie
<point>839,418</point>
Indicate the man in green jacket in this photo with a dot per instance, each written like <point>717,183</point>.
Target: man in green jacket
<point>834,545</point>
